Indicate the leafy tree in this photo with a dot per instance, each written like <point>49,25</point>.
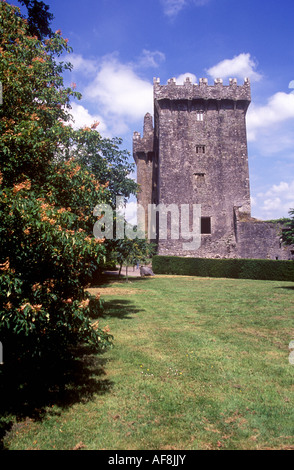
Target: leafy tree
<point>288,231</point>
<point>132,251</point>
<point>39,18</point>
<point>104,158</point>
<point>47,250</point>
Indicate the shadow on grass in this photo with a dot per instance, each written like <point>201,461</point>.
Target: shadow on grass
<point>29,390</point>
<point>106,279</point>
<point>119,308</point>
<point>285,287</point>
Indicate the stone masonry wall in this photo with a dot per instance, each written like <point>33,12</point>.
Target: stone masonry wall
<point>196,153</point>
<point>202,151</point>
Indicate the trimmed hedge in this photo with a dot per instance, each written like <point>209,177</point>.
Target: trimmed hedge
<point>263,269</point>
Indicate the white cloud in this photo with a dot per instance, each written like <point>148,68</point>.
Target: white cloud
<point>82,65</point>
<point>82,118</point>
<point>113,92</point>
<point>276,202</point>
<point>119,91</point>
<point>172,7</point>
<point>291,85</point>
<point>150,59</point>
<point>279,108</point>
<point>181,78</point>
<point>241,66</point>
<point>253,201</point>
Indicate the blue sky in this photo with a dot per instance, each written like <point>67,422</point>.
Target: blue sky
<point>120,45</point>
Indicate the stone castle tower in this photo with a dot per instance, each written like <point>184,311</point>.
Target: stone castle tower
<point>196,153</point>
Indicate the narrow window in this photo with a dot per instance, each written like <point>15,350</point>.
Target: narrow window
<point>200,148</point>
<point>205,225</point>
<point>199,116</point>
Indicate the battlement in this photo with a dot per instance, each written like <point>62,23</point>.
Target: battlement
<point>202,91</point>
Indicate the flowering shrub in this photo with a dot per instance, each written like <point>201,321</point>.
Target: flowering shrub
<point>47,248</point>
<point>47,252</point>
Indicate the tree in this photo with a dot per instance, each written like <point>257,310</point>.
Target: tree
<point>288,231</point>
<point>39,18</point>
<point>104,158</point>
<point>132,251</point>
<point>47,250</point>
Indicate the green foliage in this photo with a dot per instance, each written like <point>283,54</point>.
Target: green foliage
<point>47,249</point>
<point>228,268</point>
<point>104,158</point>
<point>131,252</point>
<point>288,231</point>
<point>39,18</point>
<point>35,101</point>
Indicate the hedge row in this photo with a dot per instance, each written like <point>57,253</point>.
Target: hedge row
<point>231,268</point>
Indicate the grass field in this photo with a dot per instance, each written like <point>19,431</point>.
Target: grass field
<point>197,363</point>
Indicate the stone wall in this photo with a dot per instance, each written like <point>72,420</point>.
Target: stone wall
<point>196,153</point>
<point>202,153</point>
<point>257,239</point>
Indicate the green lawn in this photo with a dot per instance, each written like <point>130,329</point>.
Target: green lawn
<point>198,363</point>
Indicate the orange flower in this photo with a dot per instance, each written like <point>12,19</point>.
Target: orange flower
<point>35,117</point>
<point>38,59</point>
<point>99,240</point>
<point>24,185</point>
<point>95,325</point>
<point>36,286</point>
<point>37,308</point>
<point>22,307</point>
<point>84,303</point>
<point>5,266</point>
<point>95,125</point>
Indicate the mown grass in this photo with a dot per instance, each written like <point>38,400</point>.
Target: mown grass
<point>198,363</point>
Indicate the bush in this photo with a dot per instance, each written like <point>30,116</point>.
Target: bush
<point>47,248</point>
<point>231,268</point>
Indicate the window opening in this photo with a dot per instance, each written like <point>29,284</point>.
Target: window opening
<point>205,225</point>
<point>200,149</point>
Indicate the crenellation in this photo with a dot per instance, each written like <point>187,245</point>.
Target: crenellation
<point>232,81</point>
<point>191,91</point>
<point>203,81</point>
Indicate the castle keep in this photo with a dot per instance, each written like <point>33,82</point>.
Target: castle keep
<point>196,153</point>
